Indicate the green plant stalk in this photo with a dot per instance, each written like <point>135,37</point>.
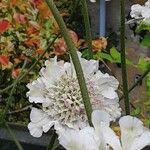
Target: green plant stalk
<point>35,63</point>
<point>14,137</point>
<point>137,82</point>
<point>75,59</point>
<point>52,141</point>
<point>123,59</point>
<point>87,26</point>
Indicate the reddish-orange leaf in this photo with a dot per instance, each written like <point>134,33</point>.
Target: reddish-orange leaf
<point>32,42</point>
<point>4,25</point>
<point>4,60</point>
<point>15,73</point>
<point>32,30</point>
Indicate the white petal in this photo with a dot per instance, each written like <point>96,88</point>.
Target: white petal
<point>52,72</point>
<point>142,141</point>
<point>131,124</point>
<point>136,11</point>
<point>40,122</point>
<point>111,138</point>
<point>89,66</point>
<point>78,139</point>
<point>35,131</point>
<point>36,93</point>
<point>131,127</point>
<point>109,93</point>
<point>99,116</point>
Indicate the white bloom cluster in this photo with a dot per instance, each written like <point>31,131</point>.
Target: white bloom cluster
<point>101,137</point>
<point>141,11</point>
<point>58,93</point>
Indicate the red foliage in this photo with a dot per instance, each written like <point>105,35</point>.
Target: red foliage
<point>4,25</point>
<point>32,42</point>
<point>15,73</point>
<point>4,60</point>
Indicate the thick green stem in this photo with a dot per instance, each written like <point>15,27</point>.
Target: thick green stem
<point>75,59</point>
<point>87,26</point>
<point>123,59</point>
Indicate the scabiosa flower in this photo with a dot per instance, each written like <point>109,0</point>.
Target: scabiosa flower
<point>58,91</point>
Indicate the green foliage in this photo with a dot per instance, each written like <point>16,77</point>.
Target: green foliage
<point>136,112</point>
<point>143,64</point>
<point>114,56</point>
<point>144,25</point>
<point>146,41</point>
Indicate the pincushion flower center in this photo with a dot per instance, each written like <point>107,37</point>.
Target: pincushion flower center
<point>67,103</point>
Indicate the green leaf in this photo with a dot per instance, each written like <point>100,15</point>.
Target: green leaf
<point>144,25</point>
<point>101,56</point>
<point>146,41</point>
<point>143,64</point>
<point>115,54</point>
<point>147,121</point>
<point>137,111</point>
<point>86,55</point>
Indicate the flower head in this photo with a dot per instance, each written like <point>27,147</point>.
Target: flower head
<point>58,91</point>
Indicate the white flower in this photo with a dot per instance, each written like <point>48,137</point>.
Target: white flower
<point>141,11</point>
<point>133,135</point>
<point>58,91</point>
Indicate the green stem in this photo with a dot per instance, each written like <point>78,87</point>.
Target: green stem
<point>14,137</point>
<point>52,141</point>
<point>87,26</point>
<point>123,59</point>
<point>75,59</point>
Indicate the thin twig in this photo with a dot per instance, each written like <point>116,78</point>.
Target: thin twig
<point>20,110</point>
<point>137,82</point>
<point>14,137</point>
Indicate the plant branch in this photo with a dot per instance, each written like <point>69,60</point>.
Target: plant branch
<point>137,82</point>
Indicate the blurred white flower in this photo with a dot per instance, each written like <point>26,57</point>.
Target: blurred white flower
<point>133,135</point>
<point>93,1</point>
<point>141,11</point>
<point>58,91</point>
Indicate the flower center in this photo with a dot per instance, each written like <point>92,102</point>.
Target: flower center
<point>67,103</point>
